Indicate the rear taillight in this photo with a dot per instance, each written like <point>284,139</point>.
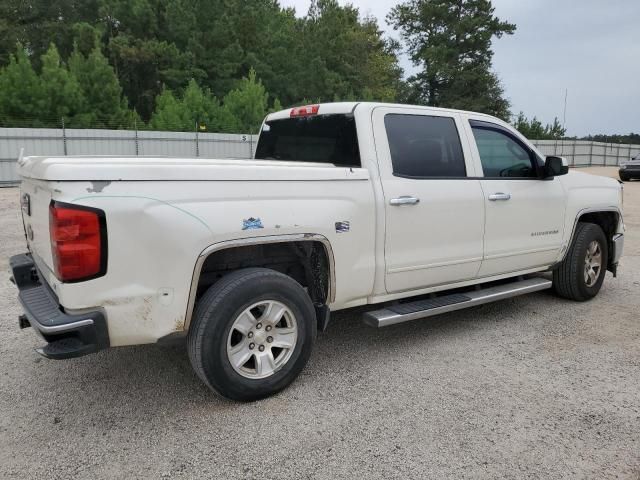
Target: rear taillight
<point>78,241</point>
<point>305,111</point>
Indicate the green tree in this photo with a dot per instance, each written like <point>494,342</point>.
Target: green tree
<point>246,106</point>
<point>37,23</point>
<point>168,114</point>
<point>556,129</point>
<point>197,109</point>
<point>535,130</point>
<point>106,106</point>
<point>345,57</point>
<point>145,58</point>
<point>331,53</point>
<point>450,41</point>
<point>21,94</point>
<point>145,67</point>
<point>633,138</point>
<point>62,94</point>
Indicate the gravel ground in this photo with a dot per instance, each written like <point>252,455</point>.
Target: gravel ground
<point>532,387</point>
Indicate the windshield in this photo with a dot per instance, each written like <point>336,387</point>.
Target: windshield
<point>319,138</point>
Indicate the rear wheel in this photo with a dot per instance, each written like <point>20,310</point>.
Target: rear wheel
<point>580,275</point>
<point>252,334</point>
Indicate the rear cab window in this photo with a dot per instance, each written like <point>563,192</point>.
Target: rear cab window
<point>329,138</point>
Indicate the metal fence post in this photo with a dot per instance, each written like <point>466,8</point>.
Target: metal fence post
<point>618,154</point>
<point>135,125</point>
<point>197,142</point>
<point>591,154</point>
<point>64,137</point>
<point>573,151</point>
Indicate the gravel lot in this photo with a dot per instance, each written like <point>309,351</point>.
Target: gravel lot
<point>533,387</point>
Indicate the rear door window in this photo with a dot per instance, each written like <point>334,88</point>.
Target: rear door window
<point>424,147</point>
<point>320,138</point>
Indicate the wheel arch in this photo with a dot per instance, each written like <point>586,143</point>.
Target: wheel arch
<point>606,218</point>
<point>245,245</point>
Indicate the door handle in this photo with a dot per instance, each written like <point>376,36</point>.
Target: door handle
<point>404,200</point>
<point>494,197</point>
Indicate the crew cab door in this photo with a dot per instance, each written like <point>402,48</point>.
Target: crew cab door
<point>524,212</point>
<point>434,208</point>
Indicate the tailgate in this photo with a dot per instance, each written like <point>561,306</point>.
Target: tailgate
<point>35,197</point>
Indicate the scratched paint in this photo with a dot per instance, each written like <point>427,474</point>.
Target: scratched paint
<point>98,186</point>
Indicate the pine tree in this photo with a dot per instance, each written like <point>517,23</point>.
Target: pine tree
<point>450,41</point>
<point>247,105</point>
<point>534,130</point>
<point>197,109</point>
<point>204,108</point>
<point>168,113</point>
<point>101,89</point>
<point>345,57</point>
<point>21,94</point>
<point>63,97</point>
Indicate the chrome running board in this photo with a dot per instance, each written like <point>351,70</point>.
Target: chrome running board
<point>406,312</point>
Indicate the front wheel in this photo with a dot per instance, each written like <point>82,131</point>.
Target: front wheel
<point>252,334</point>
<point>580,275</point>
<point>624,178</point>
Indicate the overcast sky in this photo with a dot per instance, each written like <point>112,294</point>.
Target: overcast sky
<point>591,48</point>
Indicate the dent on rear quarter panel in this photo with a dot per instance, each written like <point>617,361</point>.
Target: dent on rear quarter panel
<point>157,230</point>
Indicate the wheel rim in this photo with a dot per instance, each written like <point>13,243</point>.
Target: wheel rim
<point>262,339</point>
<point>592,263</point>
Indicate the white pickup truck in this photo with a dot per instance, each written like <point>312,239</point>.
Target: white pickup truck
<point>414,211</point>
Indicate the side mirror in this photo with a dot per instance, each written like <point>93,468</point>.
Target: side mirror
<point>554,166</point>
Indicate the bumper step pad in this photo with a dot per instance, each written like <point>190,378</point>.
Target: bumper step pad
<point>69,347</point>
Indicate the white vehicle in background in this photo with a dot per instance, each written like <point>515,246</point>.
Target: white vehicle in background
<point>414,211</point>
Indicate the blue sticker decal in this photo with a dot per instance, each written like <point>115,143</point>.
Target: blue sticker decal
<point>343,227</point>
<point>252,224</point>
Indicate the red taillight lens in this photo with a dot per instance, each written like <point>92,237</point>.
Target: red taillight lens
<point>305,111</point>
<point>78,241</point>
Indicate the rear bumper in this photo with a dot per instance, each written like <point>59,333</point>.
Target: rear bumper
<point>67,336</point>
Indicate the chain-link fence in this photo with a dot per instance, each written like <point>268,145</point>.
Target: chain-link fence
<point>200,143</point>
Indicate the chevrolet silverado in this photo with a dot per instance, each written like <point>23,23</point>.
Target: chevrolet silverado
<point>411,211</point>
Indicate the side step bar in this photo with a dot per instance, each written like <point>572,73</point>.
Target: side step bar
<point>406,312</point>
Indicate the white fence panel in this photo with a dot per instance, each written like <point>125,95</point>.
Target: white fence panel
<point>51,141</point>
<point>48,142</point>
<point>580,153</point>
<point>172,144</point>
<point>43,141</point>
<point>99,142</point>
<point>226,145</point>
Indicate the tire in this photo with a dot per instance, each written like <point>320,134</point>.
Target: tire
<point>570,278</point>
<point>624,178</point>
<point>249,300</point>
